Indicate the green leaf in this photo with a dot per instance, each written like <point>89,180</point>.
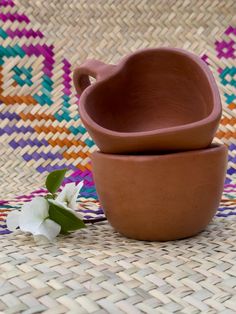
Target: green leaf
<point>54,180</point>
<point>66,219</point>
<point>48,196</point>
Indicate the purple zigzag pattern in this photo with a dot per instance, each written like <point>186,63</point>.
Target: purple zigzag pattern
<point>6,3</point>
<point>10,116</point>
<point>14,129</point>
<point>24,33</point>
<point>14,17</point>
<point>23,143</point>
<point>230,30</point>
<point>66,76</point>
<point>46,51</point>
<point>50,168</point>
<point>37,156</point>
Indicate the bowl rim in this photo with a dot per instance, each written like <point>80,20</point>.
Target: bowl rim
<point>214,115</point>
<point>212,149</point>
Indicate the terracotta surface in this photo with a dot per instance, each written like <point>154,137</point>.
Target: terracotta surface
<point>164,197</point>
<point>153,100</point>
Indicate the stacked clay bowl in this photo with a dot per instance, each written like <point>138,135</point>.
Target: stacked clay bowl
<point>153,117</point>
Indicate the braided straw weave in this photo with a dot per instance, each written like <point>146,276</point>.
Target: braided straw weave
<point>96,270</point>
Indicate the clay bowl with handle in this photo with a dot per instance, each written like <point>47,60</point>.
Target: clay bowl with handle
<point>153,100</point>
<point>160,197</point>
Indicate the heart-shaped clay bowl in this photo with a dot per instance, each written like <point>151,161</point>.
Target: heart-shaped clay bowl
<point>160,197</point>
<point>154,100</point>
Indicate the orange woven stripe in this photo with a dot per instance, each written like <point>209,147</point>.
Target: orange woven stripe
<point>66,142</point>
<point>227,135</point>
<point>83,168</point>
<point>74,155</point>
<point>36,116</point>
<point>11,100</point>
<point>231,121</point>
<point>232,106</point>
<point>230,134</point>
<point>51,129</point>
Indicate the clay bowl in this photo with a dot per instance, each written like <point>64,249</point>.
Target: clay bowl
<point>153,100</point>
<point>165,197</point>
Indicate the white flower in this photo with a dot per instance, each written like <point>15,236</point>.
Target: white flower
<point>67,198</point>
<point>34,218</point>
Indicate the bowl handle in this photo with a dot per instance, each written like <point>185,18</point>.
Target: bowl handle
<point>94,68</point>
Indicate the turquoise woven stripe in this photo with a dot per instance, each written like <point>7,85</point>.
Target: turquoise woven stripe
<point>227,76</point>
<point>3,34</point>
<point>89,142</point>
<point>11,51</point>
<point>19,78</point>
<point>78,130</point>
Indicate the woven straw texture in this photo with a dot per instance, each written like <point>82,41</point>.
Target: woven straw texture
<point>96,270</point>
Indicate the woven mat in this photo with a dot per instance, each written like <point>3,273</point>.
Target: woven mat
<point>96,270</point>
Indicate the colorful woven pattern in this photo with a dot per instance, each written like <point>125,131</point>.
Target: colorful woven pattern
<point>39,119</point>
<point>40,126</point>
<point>95,270</point>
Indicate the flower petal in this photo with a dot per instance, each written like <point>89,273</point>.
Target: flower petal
<point>49,228</point>
<point>33,214</point>
<point>73,204</point>
<point>62,195</point>
<point>13,220</point>
<point>62,205</point>
<point>73,201</point>
<point>67,192</point>
<point>79,187</point>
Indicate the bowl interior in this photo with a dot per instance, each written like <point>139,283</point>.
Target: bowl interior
<point>152,90</point>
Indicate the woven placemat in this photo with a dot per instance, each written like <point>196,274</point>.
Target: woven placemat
<point>96,270</point>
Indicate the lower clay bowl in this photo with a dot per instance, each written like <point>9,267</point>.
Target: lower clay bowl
<point>160,197</point>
